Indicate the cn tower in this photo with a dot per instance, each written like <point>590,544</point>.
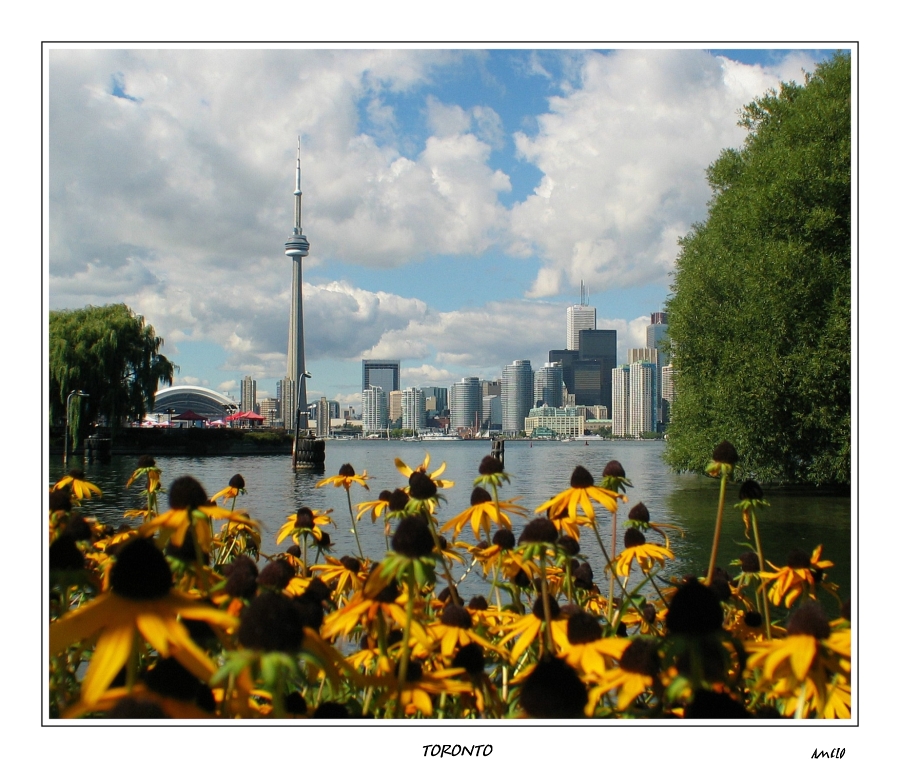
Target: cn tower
<point>296,248</point>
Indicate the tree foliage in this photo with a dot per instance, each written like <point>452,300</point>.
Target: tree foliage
<point>759,319</point>
<point>109,353</point>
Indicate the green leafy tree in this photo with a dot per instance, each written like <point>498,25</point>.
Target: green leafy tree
<point>113,356</point>
<point>759,319</point>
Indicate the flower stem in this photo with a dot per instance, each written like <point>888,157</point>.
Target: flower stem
<point>407,628</point>
<point>718,529</point>
<point>353,524</point>
<point>759,554</point>
<point>609,566</point>
<point>545,598</point>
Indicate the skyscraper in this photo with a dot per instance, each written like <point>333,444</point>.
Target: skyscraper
<point>375,410</point>
<point>548,385</point>
<point>381,373</point>
<point>620,394</point>
<point>579,317</point>
<point>248,394</point>
<point>592,372</point>
<point>516,395</point>
<point>323,419</point>
<point>642,397</point>
<point>465,403</point>
<point>296,248</point>
<point>285,391</point>
<point>413,409</point>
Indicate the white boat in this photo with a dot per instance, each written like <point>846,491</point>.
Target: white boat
<point>440,437</point>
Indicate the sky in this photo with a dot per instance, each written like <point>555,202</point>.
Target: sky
<point>454,199</point>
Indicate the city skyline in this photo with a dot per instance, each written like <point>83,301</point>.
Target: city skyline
<point>446,194</point>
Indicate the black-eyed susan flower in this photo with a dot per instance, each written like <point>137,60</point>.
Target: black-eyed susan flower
<point>434,476</point>
<point>638,549</point>
<point>491,472</point>
<point>305,521</point>
<point>347,575</point>
<point>345,477</point>
<point>580,495</point>
<point>78,486</point>
<point>455,630</point>
<point>584,647</point>
<point>798,578</point>
<point>235,487</point>
<point>751,499</point>
<point>724,457</point>
<point>140,601</point>
<point>552,689</point>
<point>148,470</point>
<point>613,478</point>
<point>421,685</point>
<point>637,669</point>
<point>376,508</point>
<point>482,512</point>
<point>527,628</point>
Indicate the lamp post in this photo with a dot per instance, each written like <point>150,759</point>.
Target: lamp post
<point>73,393</point>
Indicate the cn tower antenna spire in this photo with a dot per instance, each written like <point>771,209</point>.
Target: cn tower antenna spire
<point>298,196</point>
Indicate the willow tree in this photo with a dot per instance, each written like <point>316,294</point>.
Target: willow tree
<point>112,355</point>
<point>759,319</point>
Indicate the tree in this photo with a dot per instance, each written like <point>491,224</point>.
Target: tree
<point>109,353</point>
<point>759,318</point>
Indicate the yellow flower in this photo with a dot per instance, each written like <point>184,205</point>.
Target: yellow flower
<point>581,643</point>
<point>348,573</point>
<point>423,467</point>
<point>637,548</point>
<point>345,477</point>
<point>455,629</point>
<point>235,486</point>
<point>140,600</point>
<point>565,505</point>
<point>306,520</point>
<point>377,507</point>
<point>528,629</point>
<point>798,578</point>
<point>635,674</point>
<point>79,487</point>
<point>146,468</point>
<point>421,685</point>
<point>482,512</point>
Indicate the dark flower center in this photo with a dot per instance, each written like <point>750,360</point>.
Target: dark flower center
<point>471,658</point>
<point>753,619</point>
<point>479,496</point>
<point>538,608</point>
<point>76,474</point>
<point>413,537</point>
<point>749,562</point>
<point>583,628</point>
<point>389,594</point>
<point>168,678</point>
<point>584,576</point>
<point>478,603</point>
<point>64,554</point>
<point>640,513</point>
<point>490,466</point>
<point>456,616</point>
<point>398,500</point>
<point>725,453</point>
<point>809,619</point>
<point>351,563</point>
<point>539,530</point>
<point>581,478</point>
<point>346,470</point>
<point>384,496</point>
<point>272,622</point>
<point>649,613</point>
<point>294,703</point>
<point>421,486</point>
<point>504,538</point>
<point>304,518</point>
<point>276,575</point>
<point>640,657</point>
<point>553,689</point>
<point>694,610</point>
<point>237,481</point>
<point>331,710</point>
<point>797,558</point>
<point>131,708</point>
<point>141,571</point>
<point>613,469</point>
<point>187,493</point>
<point>634,538</point>
<point>569,545</point>
<point>145,462</point>
<point>750,489</point>
<point>60,500</point>
<point>714,705</point>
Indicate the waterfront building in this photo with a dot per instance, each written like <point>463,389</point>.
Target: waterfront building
<point>465,403</point>
<point>516,395</point>
<point>441,401</point>
<point>596,359</point>
<point>668,393</point>
<point>248,394</point>
<point>555,422</point>
<point>492,408</point>
<point>285,392</point>
<point>579,317</point>
<point>566,358</point>
<point>548,385</point>
<point>212,405</point>
<point>657,336</point>
<point>323,418</point>
<point>296,248</point>
<point>374,410</point>
<point>395,406</point>
<point>621,426</point>
<point>270,409</point>
<point>642,415</point>
<point>381,373</point>
<point>412,408</point>
<point>644,353</point>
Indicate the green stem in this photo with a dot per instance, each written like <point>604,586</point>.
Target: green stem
<point>612,537</point>
<point>545,598</point>
<point>610,568</point>
<point>404,658</point>
<point>658,592</point>
<point>718,530</point>
<point>353,524</point>
<point>759,554</point>
<point>454,594</point>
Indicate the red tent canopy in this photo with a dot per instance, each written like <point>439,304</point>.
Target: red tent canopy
<point>189,415</point>
<point>252,416</point>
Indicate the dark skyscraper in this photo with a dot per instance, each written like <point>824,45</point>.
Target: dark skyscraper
<point>381,373</point>
<point>593,370</point>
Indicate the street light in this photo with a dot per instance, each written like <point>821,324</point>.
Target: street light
<point>73,393</point>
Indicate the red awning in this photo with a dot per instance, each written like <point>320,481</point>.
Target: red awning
<point>189,415</point>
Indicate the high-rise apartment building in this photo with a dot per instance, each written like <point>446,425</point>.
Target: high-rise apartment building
<point>269,409</point>
<point>516,395</point>
<point>667,396</point>
<point>579,317</point>
<point>620,395</point>
<point>412,406</point>
<point>395,406</point>
<point>657,335</point>
<point>248,394</point>
<point>648,354</point>
<point>381,373</point>
<point>465,403</point>
<point>642,397</point>
<point>323,418</point>
<point>548,385</point>
<point>374,410</point>
<point>285,392</point>
<point>492,410</point>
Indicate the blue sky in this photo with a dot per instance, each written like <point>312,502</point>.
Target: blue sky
<point>453,199</point>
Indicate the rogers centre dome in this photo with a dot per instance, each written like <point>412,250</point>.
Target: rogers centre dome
<point>204,402</point>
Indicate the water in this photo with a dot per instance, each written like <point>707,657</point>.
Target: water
<point>538,470</point>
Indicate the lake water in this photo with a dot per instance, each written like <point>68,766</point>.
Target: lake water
<point>538,471</point>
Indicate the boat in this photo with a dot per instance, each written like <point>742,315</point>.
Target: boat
<point>440,437</point>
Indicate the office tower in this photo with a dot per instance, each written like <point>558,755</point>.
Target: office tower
<point>620,396</point>
<point>296,248</point>
<point>659,318</point>
<point>286,394</point>
<point>381,373</point>
<point>516,395</point>
<point>323,418</point>
<point>667,396</point>
<point>412,406</point>
<point>395,406</point>
<point>492,410</point>
<point>269,409</point>
<point>465,403</point>
<point>334,409</point>
<point>566,358</point>
<point>644,353</point>
<point>441,399</point>
<point>579,318</point>
<point>548,385</point>
<point>642,397</point>
<point>592,372</point>
<point>657,336</point>
<point>490,387</point>
<point>248,394</point>
<point>374,410</point>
